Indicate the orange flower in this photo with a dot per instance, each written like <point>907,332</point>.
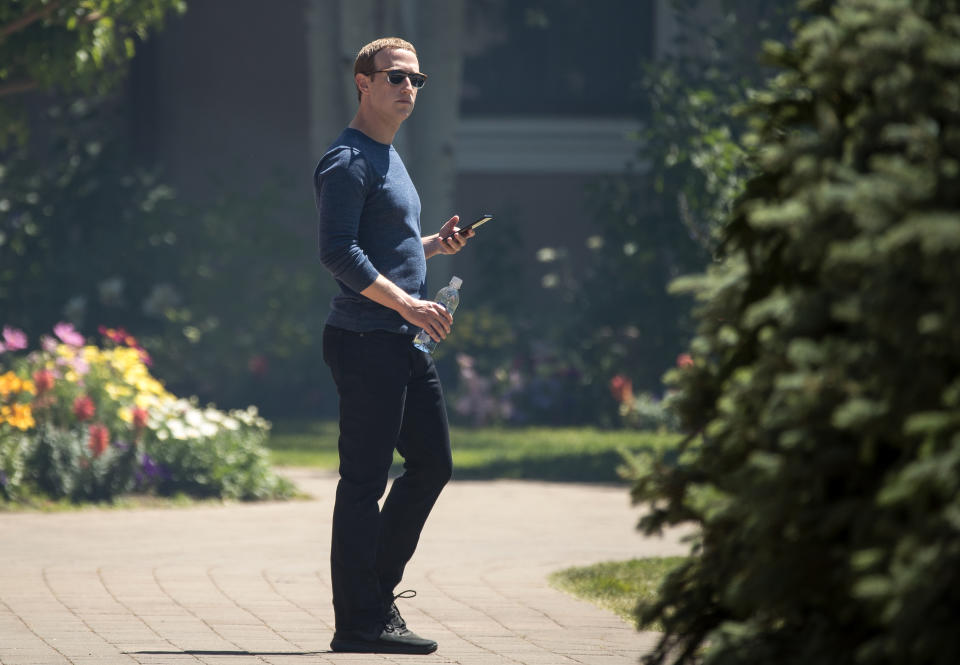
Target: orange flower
<point>99,439</point>
<point>83,408</point>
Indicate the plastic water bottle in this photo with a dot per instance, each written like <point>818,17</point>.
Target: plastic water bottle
<point>449,297</point>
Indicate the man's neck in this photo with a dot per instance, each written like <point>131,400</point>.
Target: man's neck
<point>375,128</point>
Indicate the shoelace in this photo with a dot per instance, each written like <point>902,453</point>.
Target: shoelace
<point>395,622</point>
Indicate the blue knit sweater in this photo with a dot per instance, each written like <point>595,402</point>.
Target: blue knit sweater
<point>369,224</point>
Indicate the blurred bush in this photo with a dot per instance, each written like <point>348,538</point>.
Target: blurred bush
<point>604,311</point>
<point>224,293</point>
<point>823,397</point>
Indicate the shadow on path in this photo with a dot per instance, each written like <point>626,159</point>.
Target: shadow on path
<point>199,652</point>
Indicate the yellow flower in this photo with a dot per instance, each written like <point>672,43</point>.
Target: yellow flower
<point>91,354</point>
<point>117,391</point>
<point>9,383</point>
<point>18,415</point>
<point>66,352</point>
<point>125,413</point>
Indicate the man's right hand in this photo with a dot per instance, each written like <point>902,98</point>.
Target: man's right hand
<point>431,316</point>
<point>427,314</point>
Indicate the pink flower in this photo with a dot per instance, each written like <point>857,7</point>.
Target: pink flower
<point>80,366</point>
<point>13,339</point>
<point>68,334</point>
<point>684,360</point>
<point>48,343</point>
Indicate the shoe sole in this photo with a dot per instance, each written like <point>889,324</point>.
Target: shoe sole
<point>350,646</point>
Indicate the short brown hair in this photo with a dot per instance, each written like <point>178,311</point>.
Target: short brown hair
<point>366,56</point>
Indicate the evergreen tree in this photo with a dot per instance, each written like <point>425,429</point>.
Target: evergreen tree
<point>823,471</point>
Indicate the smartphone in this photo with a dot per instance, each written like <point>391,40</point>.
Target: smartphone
<point>474,224</point>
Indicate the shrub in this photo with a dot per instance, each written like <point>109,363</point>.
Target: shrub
<point>825,383</point>
<point>86,423</point>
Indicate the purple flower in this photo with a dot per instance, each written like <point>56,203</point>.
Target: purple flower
<point>13,339</point>
<point>68,334</point>
<point>150,468</point>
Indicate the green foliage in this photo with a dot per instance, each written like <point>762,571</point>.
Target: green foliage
<point>238,315</point>
<point>81,235</point>
<point>658,220</point>
<point>824,393</point>
<point>223,294</point>
<point>71,46</point>
<point>204,452</point>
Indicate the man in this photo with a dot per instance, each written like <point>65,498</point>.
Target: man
<point>390,394</point>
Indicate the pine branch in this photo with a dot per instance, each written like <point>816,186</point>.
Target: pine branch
<point>17,87</point>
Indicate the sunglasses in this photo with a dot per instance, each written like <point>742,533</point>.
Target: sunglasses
<point>396,76</point>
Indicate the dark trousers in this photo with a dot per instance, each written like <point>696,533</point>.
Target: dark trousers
<point>390,397</point>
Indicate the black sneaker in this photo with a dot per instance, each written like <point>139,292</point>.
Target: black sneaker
<point>394,620</point>
<point>389,641</point>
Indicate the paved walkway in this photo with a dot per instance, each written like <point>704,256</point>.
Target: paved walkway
<point>249,584</point>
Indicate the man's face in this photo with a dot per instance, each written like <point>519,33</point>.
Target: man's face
<point>385,98</point>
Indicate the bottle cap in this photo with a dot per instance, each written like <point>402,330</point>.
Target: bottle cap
<point>456,282</point>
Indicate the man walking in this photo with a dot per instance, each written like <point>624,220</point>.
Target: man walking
<point>390,394</point>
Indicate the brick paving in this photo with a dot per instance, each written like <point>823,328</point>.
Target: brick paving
<point>249,583</point>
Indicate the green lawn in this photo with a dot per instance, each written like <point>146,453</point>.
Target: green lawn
<point>617,585</point>
<point>541,453</point>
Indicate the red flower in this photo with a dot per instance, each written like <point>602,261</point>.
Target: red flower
<point>684,360</point>
<point>99,439</point>
<point>622,389</point>
<point>83,408</point>
<point>139,418</point>
<point>114,335</point>
<point>122,337</point>
<point>43,379</point>
<point>258,366</point>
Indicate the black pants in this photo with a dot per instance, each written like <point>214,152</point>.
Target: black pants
<point>390,397</point>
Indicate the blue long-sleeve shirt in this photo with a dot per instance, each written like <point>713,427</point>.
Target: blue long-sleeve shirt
<point>369,224</point>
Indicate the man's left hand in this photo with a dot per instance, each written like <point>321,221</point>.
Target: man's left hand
<point>450,240</point>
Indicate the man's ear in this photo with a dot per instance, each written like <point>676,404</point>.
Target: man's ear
<point>362,81</point>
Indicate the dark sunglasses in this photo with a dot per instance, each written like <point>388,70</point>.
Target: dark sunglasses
<point>396,76</point>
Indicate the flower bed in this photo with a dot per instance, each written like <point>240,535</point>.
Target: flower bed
<point>88,423</point>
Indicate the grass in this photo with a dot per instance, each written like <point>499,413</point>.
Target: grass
<point>617,585</point>
<point>537,453</point>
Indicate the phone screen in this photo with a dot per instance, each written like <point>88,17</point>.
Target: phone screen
<point>475,223</point>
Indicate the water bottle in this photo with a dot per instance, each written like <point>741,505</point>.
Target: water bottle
<point>449,297</point>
